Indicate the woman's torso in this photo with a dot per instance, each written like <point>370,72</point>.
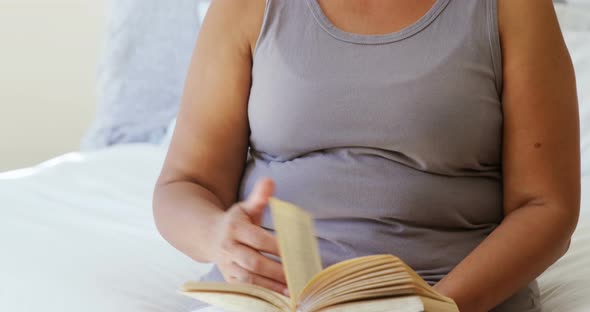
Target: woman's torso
<point>393,142</point>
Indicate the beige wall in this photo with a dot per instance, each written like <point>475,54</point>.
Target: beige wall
<point>48,55</point>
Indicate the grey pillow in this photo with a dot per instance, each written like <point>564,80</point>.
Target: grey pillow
<point>141,75</point>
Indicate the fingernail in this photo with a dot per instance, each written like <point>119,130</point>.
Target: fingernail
<point>286,292</point>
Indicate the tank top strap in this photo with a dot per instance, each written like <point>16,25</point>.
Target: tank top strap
<point>305,22</point>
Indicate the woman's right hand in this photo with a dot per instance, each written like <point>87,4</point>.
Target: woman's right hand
<point>241,240</point>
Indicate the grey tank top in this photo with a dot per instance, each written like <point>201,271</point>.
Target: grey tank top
<point>392,142</point>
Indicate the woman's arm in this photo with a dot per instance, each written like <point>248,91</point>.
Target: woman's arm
<point>194,200</point>
<point>541,162</point>
<point>207,154</point>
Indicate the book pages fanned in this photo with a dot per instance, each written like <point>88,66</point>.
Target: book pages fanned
<point>298,245</point>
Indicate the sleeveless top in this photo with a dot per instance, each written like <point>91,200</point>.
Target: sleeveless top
<point>392,142</point>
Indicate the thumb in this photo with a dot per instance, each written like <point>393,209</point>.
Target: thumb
<point>258,199</point>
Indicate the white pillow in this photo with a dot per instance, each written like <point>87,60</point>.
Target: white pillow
<point>574,16</point>
<point>141,76</point>
<point>579,47</point>
<point>574,19</point>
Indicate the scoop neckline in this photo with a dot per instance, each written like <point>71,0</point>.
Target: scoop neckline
<point>401,34</point>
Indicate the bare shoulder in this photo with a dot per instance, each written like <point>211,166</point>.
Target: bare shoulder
<point>513,11</point>
<point>240,20</point>
<point>529,23</point>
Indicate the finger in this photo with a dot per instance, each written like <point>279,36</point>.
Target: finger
<point>258,199</point>
<point>256,263</point>
<point>257,238</point>
<point>237,274</point>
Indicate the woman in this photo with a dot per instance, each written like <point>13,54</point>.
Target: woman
<point>441,131</point>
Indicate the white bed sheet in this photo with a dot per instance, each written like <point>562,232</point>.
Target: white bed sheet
<point>78,235</point>
<point>565,286</point>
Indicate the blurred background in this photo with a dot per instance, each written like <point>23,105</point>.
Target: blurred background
<point>48,67</point>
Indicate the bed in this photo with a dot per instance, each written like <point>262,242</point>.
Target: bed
<point>77,232</point>
<point>77,235</point>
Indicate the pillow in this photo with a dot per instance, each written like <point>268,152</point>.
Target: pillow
<point>141,75</point>
<point>579,47</point>
<point>574,19</point>
<point>574,16</point>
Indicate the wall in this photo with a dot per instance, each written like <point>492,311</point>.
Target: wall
<point>48,55</point>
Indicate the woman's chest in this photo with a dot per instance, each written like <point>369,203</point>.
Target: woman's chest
<point>442,111</point>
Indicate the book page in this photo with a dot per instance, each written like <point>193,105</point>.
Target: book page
<point>343,271</point>
<point>245,290</point>
<point>398,304</point>
<point>298,245</point>
<point>432,305</point>
<point>234,302</point>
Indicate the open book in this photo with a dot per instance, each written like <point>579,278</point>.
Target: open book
<point>376,283</point>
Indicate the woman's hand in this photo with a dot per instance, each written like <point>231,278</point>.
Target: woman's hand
<point>201,177</point>
<point>240,241</point>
